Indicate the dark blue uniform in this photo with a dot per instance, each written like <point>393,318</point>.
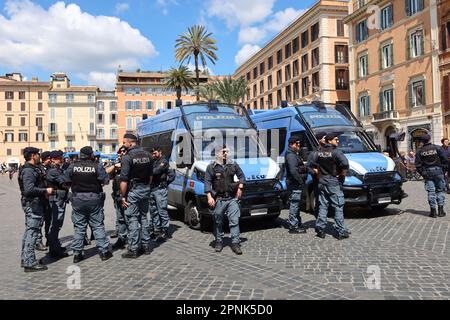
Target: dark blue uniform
<point>121,223</point>
<point>33,191</point>
<point>296,174</point>
<point>159,217</point>
<point>330,161</point>
<point>137,170</point>
<point>431,162</point>
<point>219,181</point>
<point>58,206</point>
<point>87,178</point>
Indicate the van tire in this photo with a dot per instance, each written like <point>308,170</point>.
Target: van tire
<point>192,216</point>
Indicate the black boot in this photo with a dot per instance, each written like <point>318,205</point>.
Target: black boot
<point>320,234</point>
<point>36,268</point>
<point>433,213</point>
<point>146,251</point>
<point>441,212</point>
<point>77,257</point>
<point>105,255</point>
<point>218,246</point>
<point>58,254</point>
<point>130,255</point>
<point>236,248</point>
<point>120,244</point>
<point>343,235</point>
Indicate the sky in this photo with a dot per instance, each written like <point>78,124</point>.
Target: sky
<point>89,39</point>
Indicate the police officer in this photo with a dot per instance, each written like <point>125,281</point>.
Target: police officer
<point>87,179</point>
<point>57,204</point>
<point>431,162</point>
<point>296,174</point>
<point>45,164</point>
<point>121,224</point>
<point>135,178</point>
<point>223,196</point>
<point>33,190</point>
<point>320,136</point>
<point>331,165</point>
<point>162,176</point>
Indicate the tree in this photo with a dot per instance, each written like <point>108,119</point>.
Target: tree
<point>230,90</point>
<point>208,92</point>
<point>178,79</point>
<point>196,42</point>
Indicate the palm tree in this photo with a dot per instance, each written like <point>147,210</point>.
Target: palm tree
<point>208,92</point>
<point>230,90</point>
<point>178,79</point>
<point>196,42</point>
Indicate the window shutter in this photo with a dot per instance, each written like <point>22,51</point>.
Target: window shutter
<point>424,93</point>
<point>420,5</point>
<point>408,47</point>
<point>368,105</point>
<point>380,56</point>
<point>422,42</point>
<point>391,15</point>
<point>381,102</point>
<point>407,8</point>
<point>392,54</point>
<point>410,95</point>
<point>446,84</point>
<point>443,37</point>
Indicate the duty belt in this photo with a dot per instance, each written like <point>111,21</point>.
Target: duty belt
<point>224,195</point>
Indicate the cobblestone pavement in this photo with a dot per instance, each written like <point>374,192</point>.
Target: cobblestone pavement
<point>411,250</point>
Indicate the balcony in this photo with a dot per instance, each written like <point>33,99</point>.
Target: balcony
<point>385,116</point>
<point>92,134</point>
<point>53,135</point>
<point>69,135</point>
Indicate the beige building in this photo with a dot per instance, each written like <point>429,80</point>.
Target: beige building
<point>306,61</point>
<point>394,69</point>
<point>444,61</point>
<point>107,140</point>
<point>72,115</point>
<point>24,110</point>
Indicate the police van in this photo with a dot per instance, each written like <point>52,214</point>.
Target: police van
<point>186,135</point>
<point>372,179</point>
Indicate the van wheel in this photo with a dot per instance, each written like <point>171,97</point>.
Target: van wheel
<point>192,216</point>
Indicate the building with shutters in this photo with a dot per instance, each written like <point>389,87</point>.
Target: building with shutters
<point>23,121</point>
<point>395,83</point>
<point>306,61</point>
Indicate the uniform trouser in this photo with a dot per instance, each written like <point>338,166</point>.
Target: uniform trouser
<point>121,223</point>
<point>34,212</point>
<point>136,215</point>
<point>331,195</point>
<point>159,216</point>
<point>46,221</point>
<point>58,207</point>
<point>229,207</point>
<point>294,209</point>
<point>89,212</point>
<point>435,186</point>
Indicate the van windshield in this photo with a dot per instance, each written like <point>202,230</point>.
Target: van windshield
<point>350,140</point>
<point>217,116</point>
<point>327,115</point>
<point>241,143</point>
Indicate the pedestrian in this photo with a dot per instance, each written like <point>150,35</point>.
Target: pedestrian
<point>86,179</point>
<point>296,174</point>
<point>320,136</point>
<point>159,220</point>
<point>135,176</point>
<point>121,231</point>
<point>331,165</point>
<point>446,147</point>
<point>33,191</point>
<point>431,163</point>
<point>224,195</point>
<point>45,164</point>
<point>58,203</point>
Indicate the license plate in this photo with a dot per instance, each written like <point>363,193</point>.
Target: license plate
<point>384,200</point>
<point>258,212</point>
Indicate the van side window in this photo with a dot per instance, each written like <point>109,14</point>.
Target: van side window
<point>148,142</point>
<point>165,142</point>
<point>276,147</point>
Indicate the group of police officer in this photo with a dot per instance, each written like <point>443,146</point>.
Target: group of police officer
<point>140,182</point>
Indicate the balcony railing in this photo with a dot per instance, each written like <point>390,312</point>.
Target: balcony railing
<point>53,134</point>
<point>385,116</point>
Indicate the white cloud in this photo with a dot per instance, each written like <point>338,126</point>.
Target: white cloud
<point>252,35</point>
<point>282,19</point>
<point>122,7</point>
<point>104,80</point>
<point>245,53</point>
<point>240,12</point>
<point>66,39</point>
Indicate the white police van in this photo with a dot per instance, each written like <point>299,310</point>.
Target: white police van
<point>186,135</point>
<point>372,179</point>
